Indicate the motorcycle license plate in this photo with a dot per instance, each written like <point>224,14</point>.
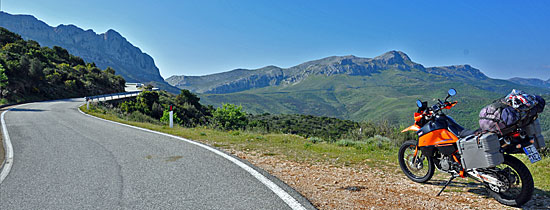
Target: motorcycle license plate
<point>532,153</point>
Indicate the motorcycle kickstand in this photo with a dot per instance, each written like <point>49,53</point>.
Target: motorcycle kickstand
<point>446,184</point>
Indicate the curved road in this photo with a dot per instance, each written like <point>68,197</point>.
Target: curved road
<point>66,160</point>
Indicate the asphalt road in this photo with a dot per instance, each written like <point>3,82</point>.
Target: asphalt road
<point>66,160</point>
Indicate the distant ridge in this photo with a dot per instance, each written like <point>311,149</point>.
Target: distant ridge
<point>531,82</point>
<point>244,79</point>
<point>109,49</point>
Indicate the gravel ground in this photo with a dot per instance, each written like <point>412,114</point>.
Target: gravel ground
<point>385,187</point>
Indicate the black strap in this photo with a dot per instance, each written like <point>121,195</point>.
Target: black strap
<point>492,119</point>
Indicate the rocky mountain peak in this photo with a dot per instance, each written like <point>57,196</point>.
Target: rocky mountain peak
<point>394,57</point>
<point>112,34</point>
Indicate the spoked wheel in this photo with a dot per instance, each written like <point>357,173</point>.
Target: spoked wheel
<point>418,168</point>
<point>518,183</point>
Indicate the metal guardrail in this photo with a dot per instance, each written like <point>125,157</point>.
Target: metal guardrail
<point>112,96</point>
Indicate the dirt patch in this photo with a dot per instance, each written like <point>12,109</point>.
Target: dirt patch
<point>173,158</point>
<point>342,187</point>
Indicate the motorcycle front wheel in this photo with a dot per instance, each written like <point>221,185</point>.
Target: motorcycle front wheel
<point>418,168</point>
<point>518,182</point>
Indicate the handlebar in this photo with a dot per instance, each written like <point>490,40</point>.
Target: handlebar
<point>441,105</point>
<point>426,112</point>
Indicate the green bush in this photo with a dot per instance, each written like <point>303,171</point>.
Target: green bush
<point>230,117</point>
<point>346,143</point>
<point>307,126</point>
<point>315,140</point>
<point>140,117</point>
<point>166,117</point>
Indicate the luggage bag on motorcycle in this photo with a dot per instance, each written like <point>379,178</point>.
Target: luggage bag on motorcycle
<point>480,151</point>
<point>534,132</point>
<point>498,117</point>
<point>529,121</point>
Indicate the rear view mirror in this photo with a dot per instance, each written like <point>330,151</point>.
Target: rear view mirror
<point>419,103</point>
<point>452,92</point>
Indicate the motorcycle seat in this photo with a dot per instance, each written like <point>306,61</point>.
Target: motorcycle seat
<point>467,132</point>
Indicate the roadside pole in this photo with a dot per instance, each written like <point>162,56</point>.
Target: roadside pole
<point>171,117</point>
<point>87,103</point>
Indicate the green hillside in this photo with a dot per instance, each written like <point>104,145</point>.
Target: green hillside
<point>29,72</point>
<point>389,95</point>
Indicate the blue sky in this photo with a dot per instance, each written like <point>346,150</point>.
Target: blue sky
<point>502,38</point>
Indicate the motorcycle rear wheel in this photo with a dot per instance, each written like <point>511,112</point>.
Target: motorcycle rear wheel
<point>520,184</point>
<point>418,168</point>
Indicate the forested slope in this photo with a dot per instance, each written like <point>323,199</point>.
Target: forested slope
<point>29,72</point>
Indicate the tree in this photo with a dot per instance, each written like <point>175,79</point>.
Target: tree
<point>145,101</point>
<point>70,85</point>
<point>3,81</point>
<point>156,110</point>
<point>230,117</point>
<point>148,87</point>
<point>24,65</point>
<point>36,68</point>
<point>110,70</point>
<point>187,97</point>
<point>61,52</point>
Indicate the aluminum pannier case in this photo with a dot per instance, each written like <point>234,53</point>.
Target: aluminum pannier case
<point>534,132</point>
<point>480,151</point>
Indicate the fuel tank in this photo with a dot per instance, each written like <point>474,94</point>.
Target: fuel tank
<point>443,130</point>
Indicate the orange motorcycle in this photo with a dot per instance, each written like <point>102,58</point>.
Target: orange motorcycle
<point>444,144</point>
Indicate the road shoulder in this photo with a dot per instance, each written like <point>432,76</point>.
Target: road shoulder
<point>2,151</point>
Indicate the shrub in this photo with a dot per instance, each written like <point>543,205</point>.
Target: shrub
<point>346,143</point>
<point>230,117</point>
<point>140,117</point>
<point>315,139</point>
<point>166,117</point>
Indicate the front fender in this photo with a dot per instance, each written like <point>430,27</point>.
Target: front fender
<point>411,128</point>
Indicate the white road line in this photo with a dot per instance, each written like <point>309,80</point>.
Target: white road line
<point>8,161</point>
<point>288,199</point>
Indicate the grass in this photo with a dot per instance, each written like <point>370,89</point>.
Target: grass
<point>540,171</point>
<point>292,147</point>
<point>375,152</point>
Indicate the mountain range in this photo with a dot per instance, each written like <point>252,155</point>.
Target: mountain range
<point>349,87</point>
<point>109,49</point>
<point>531,81</point>
<point>244,79</point>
